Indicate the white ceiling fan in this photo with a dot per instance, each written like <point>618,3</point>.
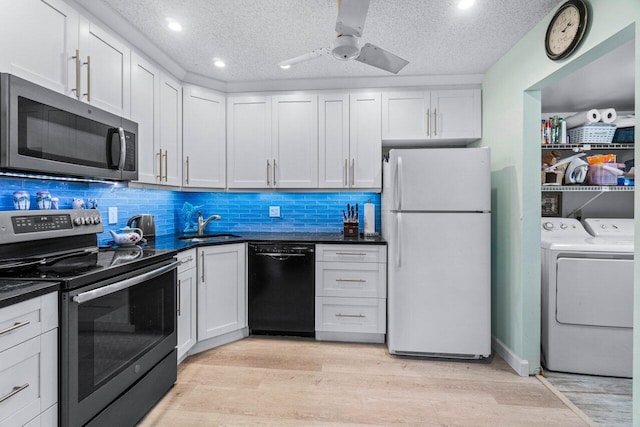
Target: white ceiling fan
<point>346,46</point>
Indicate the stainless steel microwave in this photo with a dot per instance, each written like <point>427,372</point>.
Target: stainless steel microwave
<point>46,132</point>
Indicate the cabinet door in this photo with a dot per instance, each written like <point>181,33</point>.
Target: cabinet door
<point>295,141</point>
<point>145,110</point>
<point>405,115</point>
<point>221,290</point>
<point>39,40</point>
<point>187,310</point>
<point>249,142</point>
<point>333,144</point>
<point>106,68</point>
<point>365,144</point>
<point>457,114</point>
<point>203,144</point>
<point>170,156</point>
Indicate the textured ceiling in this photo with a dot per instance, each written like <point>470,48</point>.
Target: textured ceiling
<point>252,36</point>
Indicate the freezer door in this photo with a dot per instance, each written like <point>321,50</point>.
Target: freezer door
<point>439,291</point>
<point>440,179</point>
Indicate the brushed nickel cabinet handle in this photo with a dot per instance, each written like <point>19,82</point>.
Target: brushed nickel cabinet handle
<point>88,64</point>
<point>353,171</point>
<point>187,169</point>
<point>274,172</point>
<point>268,173</point>
<point>351,280</point>
<point>428,122</point>
<point>351,253</point>
<point>166,165</point>
<point>351,315</point>
<point>346,173</point>
<point>14,327</point>
<point>159,176</point>
<point>202,275</point>
<point>13,392</point>
<point>435,122</point>
<point>77,89</point>
<point>179,302</point>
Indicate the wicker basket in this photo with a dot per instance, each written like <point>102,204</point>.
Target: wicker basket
<point>594,133</point>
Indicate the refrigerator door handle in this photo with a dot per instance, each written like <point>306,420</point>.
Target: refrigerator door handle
<point>398,192</point>
<point>398,240</point>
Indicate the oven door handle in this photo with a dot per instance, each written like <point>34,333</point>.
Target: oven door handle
<point>106,290</point>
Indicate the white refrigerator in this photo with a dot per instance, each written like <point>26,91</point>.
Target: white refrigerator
<point>436,206</point>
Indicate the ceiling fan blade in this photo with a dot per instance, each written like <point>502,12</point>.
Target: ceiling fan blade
<point>380,58</point>
<point>351,17</point>
<point>316,53</point>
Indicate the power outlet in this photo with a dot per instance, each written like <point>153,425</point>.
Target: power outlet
<point>113,215</point>
<point>274,211</point>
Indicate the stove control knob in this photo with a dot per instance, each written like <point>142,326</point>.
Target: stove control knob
<point>78,221</point>
<point>548,226</point>
<point>97,220</point>
<point>88,221</point>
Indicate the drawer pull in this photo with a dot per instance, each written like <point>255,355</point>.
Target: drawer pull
<point>15,391</point>
<point>14,327</point>
<point>351,253</point>
<point>350,315</point>
<point>186,260</point>
<point>351,280</point>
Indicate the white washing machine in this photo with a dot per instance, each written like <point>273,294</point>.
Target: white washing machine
<point>587,296</point>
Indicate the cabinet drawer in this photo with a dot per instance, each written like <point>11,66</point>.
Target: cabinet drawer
<point>366,315</point>
<point>187,260</point>
<point>28,379</point>
<point>348,279</point>
<point>351,253</point>
<point>24,320</point>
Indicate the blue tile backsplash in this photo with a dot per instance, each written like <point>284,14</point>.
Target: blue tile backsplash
<point>299,212</point>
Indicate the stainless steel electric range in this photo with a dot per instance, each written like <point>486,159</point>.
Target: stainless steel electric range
<point>117,312</point>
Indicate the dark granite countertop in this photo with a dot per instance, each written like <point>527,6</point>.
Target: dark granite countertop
<point>15,291</point>
<point>172,242</point>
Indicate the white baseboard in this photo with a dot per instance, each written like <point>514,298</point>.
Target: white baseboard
<point>350,337</point>
<point>521,366</point>
<point>218,341</point>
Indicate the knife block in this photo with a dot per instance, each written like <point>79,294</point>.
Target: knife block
<point>350,229</point>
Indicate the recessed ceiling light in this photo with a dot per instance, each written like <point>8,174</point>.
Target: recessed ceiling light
<point>219,63</point>
<point>465,4</point>
<point>285,66</point>
<point>173,24</point>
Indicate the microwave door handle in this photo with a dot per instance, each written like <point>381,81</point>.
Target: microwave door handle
<point>118,286</point>
<point>123,149</point>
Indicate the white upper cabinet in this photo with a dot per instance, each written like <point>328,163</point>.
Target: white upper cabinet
<point>38,42</point>
<point>249,142</point>
<point>50,44</point>
<point>203,138</point>
<point>333,144</point>
<point>447,117</point>
<point>169,155</point>
<point>365,141</point>
<point>145,110</point>
<point>295,141</point>
<point>106,65</point>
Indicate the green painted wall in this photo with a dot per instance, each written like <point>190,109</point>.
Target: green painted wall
<point>511,118</point>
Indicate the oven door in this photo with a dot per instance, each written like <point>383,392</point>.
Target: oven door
<point>112,334</point>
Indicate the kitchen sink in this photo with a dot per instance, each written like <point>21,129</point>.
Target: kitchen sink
<point>208,237</point>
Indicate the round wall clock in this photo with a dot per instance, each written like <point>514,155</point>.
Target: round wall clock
<point>566,29</point>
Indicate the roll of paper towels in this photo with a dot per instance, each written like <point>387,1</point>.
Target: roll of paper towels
<point>608,115</point>
<point>583,118</point>
<point>369,218</point>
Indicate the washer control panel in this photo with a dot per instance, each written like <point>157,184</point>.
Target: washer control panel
<point>609,227</point>
<point>562,227</point>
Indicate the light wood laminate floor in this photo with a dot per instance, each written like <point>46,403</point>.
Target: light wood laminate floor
<point>263,381</point>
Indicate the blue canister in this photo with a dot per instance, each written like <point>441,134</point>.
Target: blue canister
<point>21,200</point>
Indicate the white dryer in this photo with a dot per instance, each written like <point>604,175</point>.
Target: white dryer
<point>587,297</point>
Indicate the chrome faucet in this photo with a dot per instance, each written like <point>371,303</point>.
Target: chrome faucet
<point>202,223</point>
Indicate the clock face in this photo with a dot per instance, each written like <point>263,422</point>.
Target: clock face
<point>566,29</point>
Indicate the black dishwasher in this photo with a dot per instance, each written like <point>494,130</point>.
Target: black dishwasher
<point>282,289</point>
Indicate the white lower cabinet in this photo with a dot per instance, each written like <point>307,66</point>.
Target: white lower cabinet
<point>222,290</point>
<point>29,362</point>
<point>187,308</point>
<point>351,292</point>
